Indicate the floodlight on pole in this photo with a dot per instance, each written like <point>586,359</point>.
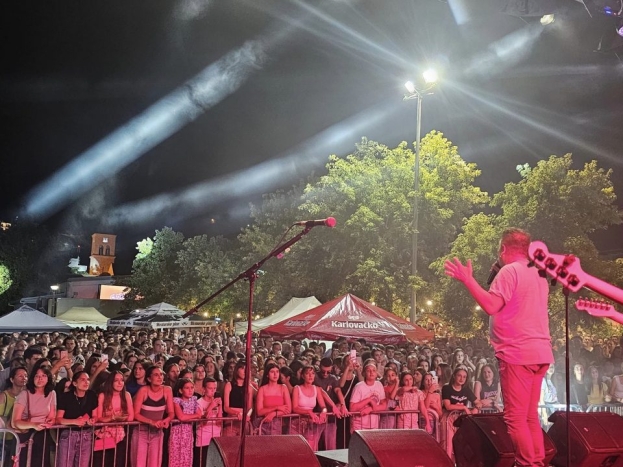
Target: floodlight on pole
<point>547,19</point>
<point>430,77</point>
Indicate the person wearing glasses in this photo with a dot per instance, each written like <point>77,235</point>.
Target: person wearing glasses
<point>153,406</point>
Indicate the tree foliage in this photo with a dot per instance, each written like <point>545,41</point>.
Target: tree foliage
<point>556,204</point>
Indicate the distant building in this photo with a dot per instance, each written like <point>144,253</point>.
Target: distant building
<point>102,254</point>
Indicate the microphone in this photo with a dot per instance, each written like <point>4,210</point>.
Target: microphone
<point>495,268</point>
<point>328,222</point>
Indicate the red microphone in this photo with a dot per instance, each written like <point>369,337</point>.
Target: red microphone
<point>328,222</point>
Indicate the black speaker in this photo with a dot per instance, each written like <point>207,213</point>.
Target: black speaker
<point>261,451</point>
<point>482,440</point>
<point>395,448</point>
<point>596,439</point>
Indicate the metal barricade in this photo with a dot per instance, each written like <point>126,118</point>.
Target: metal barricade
<point>10,448</point>
<point>614,407</point>
<point>546,410</point>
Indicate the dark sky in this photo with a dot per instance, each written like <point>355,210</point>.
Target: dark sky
<point>179,112</point>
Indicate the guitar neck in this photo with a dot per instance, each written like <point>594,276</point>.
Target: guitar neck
<point>603,288</point>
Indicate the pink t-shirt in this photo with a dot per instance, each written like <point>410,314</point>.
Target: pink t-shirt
<point>520,330</point>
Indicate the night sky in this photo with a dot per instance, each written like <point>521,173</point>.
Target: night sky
<point>180,113</point>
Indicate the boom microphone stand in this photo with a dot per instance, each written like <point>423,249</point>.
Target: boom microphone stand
<point>251,275</point>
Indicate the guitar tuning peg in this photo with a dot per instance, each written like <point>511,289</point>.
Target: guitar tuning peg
<point>542,273</point>
<point>553,282</point>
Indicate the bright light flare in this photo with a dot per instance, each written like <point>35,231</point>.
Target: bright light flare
<point>410,86</point>
<point>547,19</point>
<point>430,76</point>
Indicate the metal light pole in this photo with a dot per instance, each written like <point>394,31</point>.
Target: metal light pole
<point>430,78</point>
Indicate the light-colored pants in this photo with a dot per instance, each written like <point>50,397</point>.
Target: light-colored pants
<point>147,446</point>
<point>521,389</point>
<point>74,448</point>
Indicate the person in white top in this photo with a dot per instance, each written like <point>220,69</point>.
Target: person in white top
<point>368,396</point>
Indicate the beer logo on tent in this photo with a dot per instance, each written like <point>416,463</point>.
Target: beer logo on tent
<point>297,323</point>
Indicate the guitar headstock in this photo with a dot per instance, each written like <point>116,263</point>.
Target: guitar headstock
<point>565,269</point>
<point>599,308</point>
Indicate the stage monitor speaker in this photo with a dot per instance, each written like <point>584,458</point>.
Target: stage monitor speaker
<point>395,448</point>
<point>596,439</point>
<point>261,451</point>
<point>482,440</point>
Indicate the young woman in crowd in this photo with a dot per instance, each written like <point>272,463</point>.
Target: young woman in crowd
<point>34,412</point>
<point>596,389</point>
<point>412,399</point>
<point>487,387</point>
<point>114,404</point>
<point>172,373</point>
<point>233,398</point>
<point>187,409</point>
<point>76,408</point>
<point>130,359</point>
<point>273,399</point>
<point>212,371</point>
<point>153,407</point>
<point>18,376</point>
<point>616,387</point>
<point>305,397</point>
<point>199,375</point>
<point>211,408</point>
<point>579,394</point>
<point>455,396</point>
<point>137,377</point>
<point>432,394</point>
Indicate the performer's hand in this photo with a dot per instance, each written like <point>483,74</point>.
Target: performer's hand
<point>457,270</point>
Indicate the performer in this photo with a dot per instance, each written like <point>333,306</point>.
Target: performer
<point>517,305</point>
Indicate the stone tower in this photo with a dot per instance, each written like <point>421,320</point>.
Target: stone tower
<point>102,254</point>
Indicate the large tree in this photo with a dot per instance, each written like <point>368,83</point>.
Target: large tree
<point>555,203</point>
<point>370,192</point>
<point>155,271</point>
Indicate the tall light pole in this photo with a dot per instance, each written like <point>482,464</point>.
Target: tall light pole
<point>430,78</point>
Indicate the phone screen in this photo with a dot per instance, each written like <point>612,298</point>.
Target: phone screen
<point>353,355</point>
<point>63,354</point>
<point>104,357</point>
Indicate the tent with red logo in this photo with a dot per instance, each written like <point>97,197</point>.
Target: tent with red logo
<point>351,317</point>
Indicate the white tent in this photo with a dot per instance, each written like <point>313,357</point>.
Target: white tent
<point>82,316</point>
<point>294,307</point>
<point>28,319</point>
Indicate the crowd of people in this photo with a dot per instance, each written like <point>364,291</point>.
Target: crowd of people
<point>89,384</point>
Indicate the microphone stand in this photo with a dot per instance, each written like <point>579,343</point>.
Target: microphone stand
<point>250,275</point>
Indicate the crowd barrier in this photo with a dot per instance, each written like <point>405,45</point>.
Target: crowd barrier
<point>105,445</point>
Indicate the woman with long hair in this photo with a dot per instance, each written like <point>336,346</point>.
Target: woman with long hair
<point>18,376</point>
<point>487,387</point>
<point>233,398</point>
<point>35,412</point>
<point>187,409</point>
<point>432,394</point>
<point>171,374</point>
<point>114,404</point>
<point>273,400</point>
<point>211,370</point>
<point>76,408</point>
<point>153,407</point>
<point>305,397</point>
<point>137,380</point>
<point>199,375</point>
<point>595,387</point>
<point>412,399</point>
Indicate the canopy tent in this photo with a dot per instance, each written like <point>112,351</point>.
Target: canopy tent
<point>293,307</point>
<point>28,319</point>
<point>82,316</point>
<point>351,317</point>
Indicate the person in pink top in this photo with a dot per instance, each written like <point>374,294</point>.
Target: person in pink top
<point>273,400</point>
<point>516,304</point>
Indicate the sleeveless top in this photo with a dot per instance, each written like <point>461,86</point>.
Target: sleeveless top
<point>236,396</point>
<point>273,401</point>
<point>487,392</point>
<point>154,409</point>
<point>306,402</point>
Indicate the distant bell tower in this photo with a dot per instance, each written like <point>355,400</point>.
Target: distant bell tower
<point>102,254</point>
